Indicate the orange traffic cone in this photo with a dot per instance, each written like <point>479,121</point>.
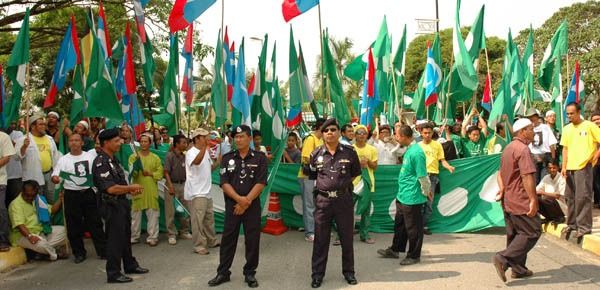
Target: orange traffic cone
<point>274,224</point>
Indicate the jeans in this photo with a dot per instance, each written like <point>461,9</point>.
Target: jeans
<point>428,208</point>
<point>308,205</point>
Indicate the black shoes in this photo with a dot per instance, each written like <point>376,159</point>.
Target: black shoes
<point>120,279</point>
<point>350,279</point>
<point>251,280</point>
<point>409,261</point>
<point>79,259</point>
<point>427,232</point>
<point>220,279</point>
<point>388,253</point>
<point>138,270</point>
<point>316,283</point>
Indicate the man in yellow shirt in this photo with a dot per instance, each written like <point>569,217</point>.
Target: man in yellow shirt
<point>38,153</point>
<point>579,140</point>
<point>306,185</point>
<point>434,154</point>
<point>363,186</point>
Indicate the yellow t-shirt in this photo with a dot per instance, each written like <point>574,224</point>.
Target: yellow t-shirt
<point>370,153</point>
<point>43,146</point>
<point>581,141</point>
<point>310,143</point>
<point>434,153</point>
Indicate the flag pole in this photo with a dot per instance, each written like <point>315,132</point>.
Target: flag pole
<point>396,92</point>
<point>301,98</point>
<point>329,109</point>
<point>322,61</point>
<point>224,86</point>
<point>27,102</point>
<point>449,87</point>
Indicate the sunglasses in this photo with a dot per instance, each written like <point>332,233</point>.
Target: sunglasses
<point>327,130</point>
<point>360,132</point>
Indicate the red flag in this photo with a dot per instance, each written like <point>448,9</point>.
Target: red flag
<point>577,82</point>
<point>251,85</point>
<point>129,70</point>
<point>486,91</point>
<point>371,84</point>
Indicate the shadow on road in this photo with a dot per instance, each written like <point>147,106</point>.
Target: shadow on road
<point>566,274</point>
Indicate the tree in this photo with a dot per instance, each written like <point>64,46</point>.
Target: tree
<point>584,31</point>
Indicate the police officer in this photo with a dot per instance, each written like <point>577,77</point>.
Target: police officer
<point>109,179</point>
<point>243,177</point>
<point>334,166</point>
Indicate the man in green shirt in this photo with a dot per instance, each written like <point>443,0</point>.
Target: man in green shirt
<point>27,231</point>
<point>473,137</point>
<point>414,189</point>
<point>497,143</point>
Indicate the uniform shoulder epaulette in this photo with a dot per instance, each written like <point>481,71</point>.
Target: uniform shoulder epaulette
<point>350,147</point>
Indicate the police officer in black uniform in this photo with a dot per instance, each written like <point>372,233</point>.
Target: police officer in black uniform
<point>334,166</point>
<point>243,177</point>
<point>109,179</point>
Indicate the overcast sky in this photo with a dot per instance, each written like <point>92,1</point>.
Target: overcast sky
<point>360,21</point>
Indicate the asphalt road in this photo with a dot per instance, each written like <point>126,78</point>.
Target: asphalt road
<point>449,261</point>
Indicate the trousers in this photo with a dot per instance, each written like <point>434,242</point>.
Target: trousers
<point>231,232</point>
<point>327,209</point>
<point>152,216</point>
<point>578,194</point>
<point>549,207</point>
<point>184,223</point>
<point>203,223</point>
<point>522,233</point>
<point>408,229</point>
<point>81,213</point>
<point>308,205</point>
<point>118,234</point>
<point>428,208</point>
<point>48,243</point>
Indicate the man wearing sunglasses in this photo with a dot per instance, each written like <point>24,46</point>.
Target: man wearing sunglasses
<point>333,166</point>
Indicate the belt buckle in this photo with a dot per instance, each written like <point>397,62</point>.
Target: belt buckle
<point>332,194</point>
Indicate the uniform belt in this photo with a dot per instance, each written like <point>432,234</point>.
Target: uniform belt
<point>331,193</point>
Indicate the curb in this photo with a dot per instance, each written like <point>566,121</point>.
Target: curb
<point>16,256</point>
<point>590,243</point>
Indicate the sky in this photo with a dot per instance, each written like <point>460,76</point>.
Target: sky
<point>358,20</point>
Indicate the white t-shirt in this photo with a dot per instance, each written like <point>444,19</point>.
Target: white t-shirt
<point>554,185</point>
<point>80,165</point>
<point>542,140</point>
<point>13,167</point>
<point>198,177</point>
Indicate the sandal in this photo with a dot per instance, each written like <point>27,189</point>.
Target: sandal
<point>4,248</point>
<point>369,241</point>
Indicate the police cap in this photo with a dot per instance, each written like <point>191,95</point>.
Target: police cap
<point>108,134</point>
<point>240,129</point>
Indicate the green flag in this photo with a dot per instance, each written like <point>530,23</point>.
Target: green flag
<point>259,88</point>
<point>16,70</point>
<point>100,89</point>
<point>148,64</point>
<point>296,85</point>
<point>464,80</point>
<point>86,180</point>
<point>528,70</point>
<point>502,104</point>
<point>278,122</point>
<point>335,86</point>
<point>381,57</point>
<point>557,47</point>
<point>169,98</point>
<point>217,91</point>
<point>398,63</point>
<point>78,103</point>
<point>557,97</point>
<point>306,89</point>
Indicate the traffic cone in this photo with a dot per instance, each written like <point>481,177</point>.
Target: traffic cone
<point>274,224</point>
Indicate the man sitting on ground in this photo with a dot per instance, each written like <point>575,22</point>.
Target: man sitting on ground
<point>30,222</point>
<point>551,191</point>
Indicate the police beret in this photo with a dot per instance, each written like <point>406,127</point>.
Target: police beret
<point>240,129</point>
<point>108,134</point>
<point>329,122</point>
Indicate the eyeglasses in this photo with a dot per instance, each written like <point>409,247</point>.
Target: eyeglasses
<point>361,132</point>
<point>327,130</point>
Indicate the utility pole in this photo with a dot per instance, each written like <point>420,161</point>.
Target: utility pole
<point>437,17</point>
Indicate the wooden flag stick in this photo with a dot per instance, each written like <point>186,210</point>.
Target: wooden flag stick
<point>398,112</point>
<point>223,77</point>
<point>449,87</point>
<point>489,74</point>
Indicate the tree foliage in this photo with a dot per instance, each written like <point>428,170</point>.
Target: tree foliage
<point>583,34</point>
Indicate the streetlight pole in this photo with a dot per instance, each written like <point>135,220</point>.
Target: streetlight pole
<point>437,17</point>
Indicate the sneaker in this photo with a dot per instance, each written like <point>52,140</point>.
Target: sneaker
<point>388,253</point>
<point>310,238</point>
<point>186,236</point>
<point>172,241</point>
<point>300,229</point>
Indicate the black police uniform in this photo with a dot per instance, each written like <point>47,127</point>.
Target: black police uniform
<point>333,200</point>
<point>116,211</point>
<point>242,174</point>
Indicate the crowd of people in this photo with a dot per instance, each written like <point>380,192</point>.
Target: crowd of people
<point>109,179</point>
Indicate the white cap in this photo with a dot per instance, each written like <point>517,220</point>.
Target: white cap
<point>84,123</point>
<point>55,114</point>
<point>550,112</point>
<point>520,124</point>
<point>421,122</point>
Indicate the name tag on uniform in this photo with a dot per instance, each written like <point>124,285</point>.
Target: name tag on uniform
<point>252,165</point>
